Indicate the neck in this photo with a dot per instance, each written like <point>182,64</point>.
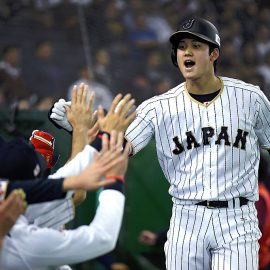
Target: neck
<point>203,85</point>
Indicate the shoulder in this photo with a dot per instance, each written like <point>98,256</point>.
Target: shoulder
<point>155,100</point>
<point>236,83</point>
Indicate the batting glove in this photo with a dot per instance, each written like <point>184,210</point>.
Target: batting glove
<point>59,116</point>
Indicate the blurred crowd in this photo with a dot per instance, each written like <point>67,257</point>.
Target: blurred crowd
<point>119,46</point>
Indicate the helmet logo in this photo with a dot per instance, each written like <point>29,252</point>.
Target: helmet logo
<point>188,24</point>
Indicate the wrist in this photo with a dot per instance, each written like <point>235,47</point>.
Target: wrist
<point>80,129</point>
<point>119,178</point>
<point>97,143</point>
<point>69,183</point>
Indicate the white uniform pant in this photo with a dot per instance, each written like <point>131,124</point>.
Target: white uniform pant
<point>201,238</point>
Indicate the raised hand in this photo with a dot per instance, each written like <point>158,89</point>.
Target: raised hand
<point>118,117</point>
<point>80,114</point>
<point>111,160</point>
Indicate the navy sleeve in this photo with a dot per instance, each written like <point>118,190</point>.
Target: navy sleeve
<point>38,191</point>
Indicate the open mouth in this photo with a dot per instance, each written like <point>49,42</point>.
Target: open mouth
<point>189,63</point>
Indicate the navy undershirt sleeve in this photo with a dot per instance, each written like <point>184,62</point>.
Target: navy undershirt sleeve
<point>38,191</point>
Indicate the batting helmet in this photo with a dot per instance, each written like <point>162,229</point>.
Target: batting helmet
<point>198,27</point>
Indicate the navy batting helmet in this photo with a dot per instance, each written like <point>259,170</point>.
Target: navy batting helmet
<point>197,27</point>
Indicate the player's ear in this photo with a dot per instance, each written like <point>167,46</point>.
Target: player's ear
<point>214,54</point>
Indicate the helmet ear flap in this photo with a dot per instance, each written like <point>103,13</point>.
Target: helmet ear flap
<point>174,56</point>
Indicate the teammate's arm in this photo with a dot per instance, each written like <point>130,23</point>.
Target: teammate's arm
<point>89,178</point>
<point>44,247</point>
<point>81,117</point>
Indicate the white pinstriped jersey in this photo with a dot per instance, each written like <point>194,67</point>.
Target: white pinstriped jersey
<point>206,152</point>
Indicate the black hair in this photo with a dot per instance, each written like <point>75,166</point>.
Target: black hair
<point>211,49</point>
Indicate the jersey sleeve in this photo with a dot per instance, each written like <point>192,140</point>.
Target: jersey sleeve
<point>262,126</point>
<point>47,247</point>
<point>141,130</point>
<point>77,164</point>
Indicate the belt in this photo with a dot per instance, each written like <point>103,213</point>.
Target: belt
<point>224,204</point>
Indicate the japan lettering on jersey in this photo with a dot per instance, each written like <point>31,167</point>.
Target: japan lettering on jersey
<point>207,152</point>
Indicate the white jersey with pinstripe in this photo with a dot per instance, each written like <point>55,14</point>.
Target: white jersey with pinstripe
<point>208,153</point>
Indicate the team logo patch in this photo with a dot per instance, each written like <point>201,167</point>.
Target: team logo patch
<point>188,24</point>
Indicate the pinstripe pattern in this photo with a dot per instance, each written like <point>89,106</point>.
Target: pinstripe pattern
<point>202,238</point>
<point>222,169</point>
<point>208,153</point>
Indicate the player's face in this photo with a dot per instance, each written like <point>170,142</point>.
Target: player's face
<point>193,59</point>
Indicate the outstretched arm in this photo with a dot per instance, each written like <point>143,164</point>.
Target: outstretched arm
<point>46,247</point>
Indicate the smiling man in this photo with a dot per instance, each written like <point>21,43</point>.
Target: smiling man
<point>208,133</point>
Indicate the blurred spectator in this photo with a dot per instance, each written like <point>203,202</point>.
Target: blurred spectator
<point>12,85</point>
<point>102,68</point>
<point>154,67</point>
<point>141,87</point>
<point>264,70</point>
<point>141,35</point>
<point>162,85</point>
<point>159,24</point>
<point>44,76</point>
<point>103,95</point>
<point>262,41</point>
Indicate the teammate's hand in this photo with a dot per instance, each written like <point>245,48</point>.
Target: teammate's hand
<point>59,115</point>
<point>92,133</point>
<point>116,143</point>
<point>10,210</point>
<point>80,114</point>
<point>111,158</point>
<point>119,116</point>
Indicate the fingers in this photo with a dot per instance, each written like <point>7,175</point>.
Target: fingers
<point>121,104</point>
<point>56,117</point>
<point>59,106</point>
<point>113,140</point>
<point>94,130</point>
<point>74,95</point>
<point>91,101</point>
<point>79,94</point>
<point>128,107</point>
<point>83,93</point>
<point>100,112</point>
<point>115,103</point>
<point>120,141</point>
<point>127,149</point>
<point>105,143</point>
<point>15,202</point>
<point>60,111</point>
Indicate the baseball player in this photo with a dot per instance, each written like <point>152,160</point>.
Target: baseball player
<point>208,132</point>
